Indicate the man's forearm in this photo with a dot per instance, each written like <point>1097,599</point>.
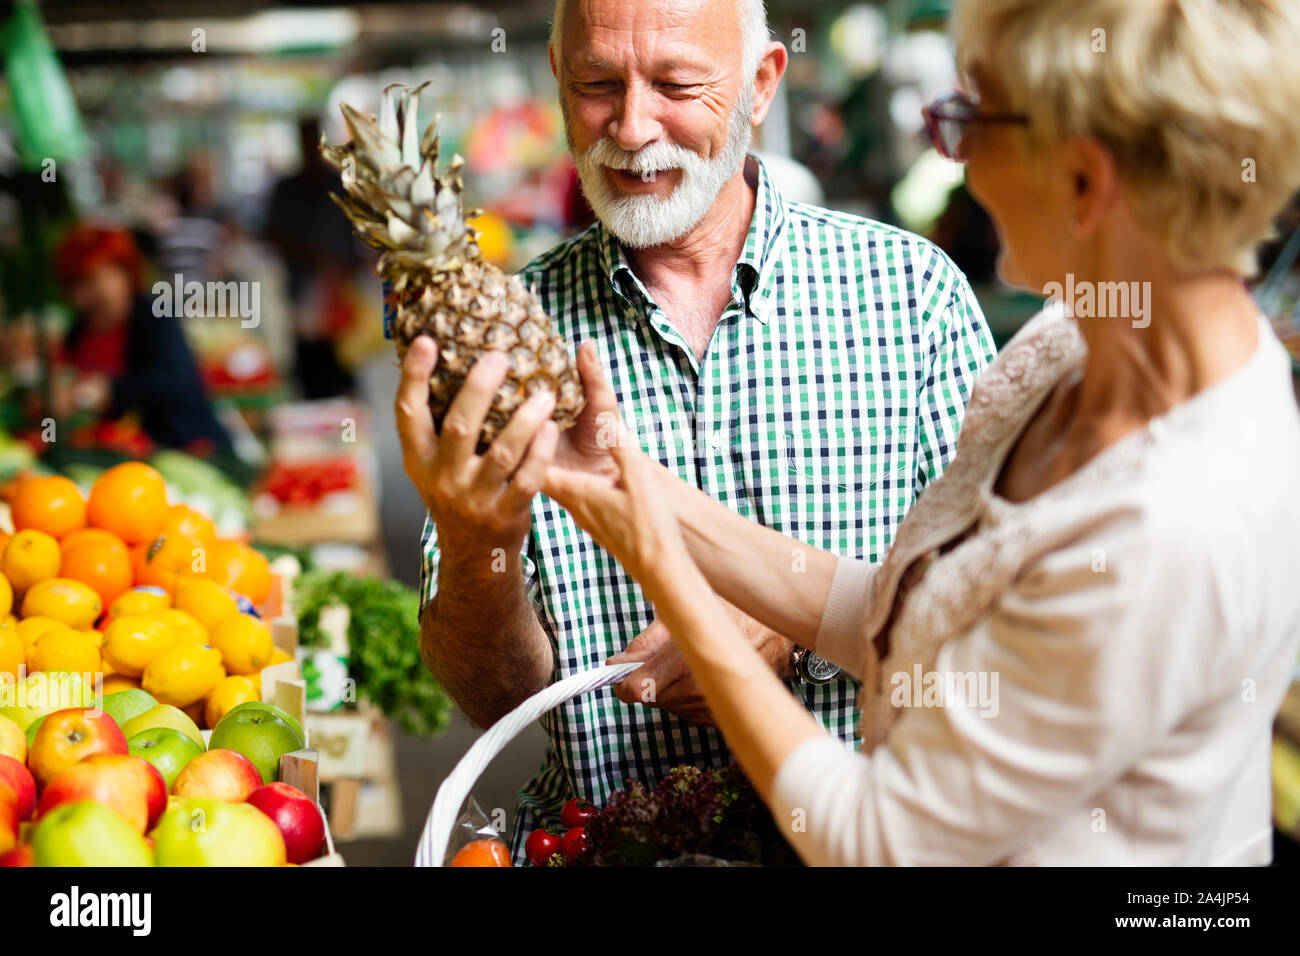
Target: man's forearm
<point>481,638</point>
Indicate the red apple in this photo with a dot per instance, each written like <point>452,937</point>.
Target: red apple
<point>67,737</point>
<point>297,816</point>
<point>154,788</point>
<point>20,855</point>
<point>24,785</point>
<point>8,818</point>
<point>115,780</point>
<point>218,775</point>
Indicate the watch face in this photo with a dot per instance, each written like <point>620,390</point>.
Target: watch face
<point>819,669</point>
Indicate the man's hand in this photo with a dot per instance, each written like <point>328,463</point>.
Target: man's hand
<point>479,502</point>
<point>664,681</point>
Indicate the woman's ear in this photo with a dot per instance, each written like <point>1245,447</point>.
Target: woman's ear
<point>1095,187</point>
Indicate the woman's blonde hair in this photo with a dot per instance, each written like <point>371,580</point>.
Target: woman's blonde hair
<point>1197,100</point>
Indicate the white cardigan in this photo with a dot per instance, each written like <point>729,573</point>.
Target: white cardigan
<point>1134,629</point>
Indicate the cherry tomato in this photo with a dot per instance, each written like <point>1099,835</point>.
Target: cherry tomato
<point>540,847</point>
<point>573,843</point>
<point>577,813</point>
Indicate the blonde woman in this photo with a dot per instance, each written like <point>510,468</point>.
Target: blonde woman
<point>1074,650</point>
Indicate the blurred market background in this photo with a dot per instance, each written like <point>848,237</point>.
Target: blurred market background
<point>139,140</point>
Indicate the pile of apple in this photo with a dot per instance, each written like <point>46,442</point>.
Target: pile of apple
<point>131,783</point>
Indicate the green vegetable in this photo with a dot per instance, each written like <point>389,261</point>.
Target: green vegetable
<point>383,645</point>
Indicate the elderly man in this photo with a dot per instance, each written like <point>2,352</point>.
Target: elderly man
<point>807,368</point>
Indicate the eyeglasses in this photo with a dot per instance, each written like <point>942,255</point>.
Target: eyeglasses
<point>947,117</point>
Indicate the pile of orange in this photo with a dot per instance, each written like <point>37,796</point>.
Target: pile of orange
<point>116,579</point>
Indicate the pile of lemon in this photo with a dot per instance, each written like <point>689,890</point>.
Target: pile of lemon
<point>197,651</point>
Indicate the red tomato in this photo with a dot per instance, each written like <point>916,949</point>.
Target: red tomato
<point>573,843</point>
<point>577,813</point>
<point>540,847</point>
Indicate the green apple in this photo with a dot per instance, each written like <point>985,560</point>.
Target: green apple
<point>43,693</point>
<point>260,735</point>
<point>268,706</point>
<point>126,704</point>
<point>167,749</point>
<point>202,832</point>
<point>34,726</point>
<point>164,715</point>
<point>88,834</point>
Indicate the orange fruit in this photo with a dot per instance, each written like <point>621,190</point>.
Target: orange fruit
<point>189,523</point>
<point>158,563</point>
<point>482,853</point>
<point>103,564</point>
<point>50,503</point>
<point>87,536</point>
<point>29,557</point>
<point>236,566</point>
<point>129,500</point>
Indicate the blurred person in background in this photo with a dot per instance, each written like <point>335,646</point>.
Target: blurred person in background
<point>321,258</point>
<point>124,358</point>
<point>189,241</point>
<point>1074,649</point>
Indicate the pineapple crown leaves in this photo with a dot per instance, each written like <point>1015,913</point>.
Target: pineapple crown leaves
<point>394,197</point>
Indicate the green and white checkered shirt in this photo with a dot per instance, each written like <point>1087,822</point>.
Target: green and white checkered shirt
<point>831,394</point>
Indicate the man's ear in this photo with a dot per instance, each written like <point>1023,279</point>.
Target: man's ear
<point>770,70</point>
<point>555,67</point>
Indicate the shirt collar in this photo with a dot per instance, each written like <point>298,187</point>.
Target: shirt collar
<point>757,259</point>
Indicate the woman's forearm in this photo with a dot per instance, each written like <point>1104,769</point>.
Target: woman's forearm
<point>773,578</point>
<point>762,722</point>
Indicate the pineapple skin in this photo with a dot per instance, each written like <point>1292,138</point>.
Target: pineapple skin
<point>440,285</point>
<point>478,309</point>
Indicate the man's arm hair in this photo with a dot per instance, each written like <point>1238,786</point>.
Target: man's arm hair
<point>482,640</point>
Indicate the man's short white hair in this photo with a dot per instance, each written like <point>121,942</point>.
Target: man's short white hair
<point>754,34</point>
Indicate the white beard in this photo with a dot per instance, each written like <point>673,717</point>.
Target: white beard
<point>641,221</point>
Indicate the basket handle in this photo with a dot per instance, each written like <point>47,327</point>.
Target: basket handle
<point>454,790</point>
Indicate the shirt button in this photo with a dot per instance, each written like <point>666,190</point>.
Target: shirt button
<point>715,440</point>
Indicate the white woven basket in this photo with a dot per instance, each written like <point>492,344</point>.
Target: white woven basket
<point>454,790</point>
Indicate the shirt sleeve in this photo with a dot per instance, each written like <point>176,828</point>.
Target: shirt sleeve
<point>429,558</point>
<point>839,634</point>
<point>1099,651</point>
<point>960,348</point>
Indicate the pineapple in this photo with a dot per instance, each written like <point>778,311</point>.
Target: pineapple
<point>440,284</point>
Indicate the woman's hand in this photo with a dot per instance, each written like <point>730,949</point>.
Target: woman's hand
<point>586,447</point>
<point>627,513</point>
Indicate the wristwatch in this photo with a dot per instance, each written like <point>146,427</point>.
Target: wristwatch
<point>811,669</point>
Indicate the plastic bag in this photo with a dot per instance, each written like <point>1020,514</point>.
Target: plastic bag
<point>475,841</point>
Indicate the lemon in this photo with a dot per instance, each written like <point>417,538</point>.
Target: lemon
<point>63,599</point>
<point>206,600</point>
<point>6,596</point>
<point>30,556</point>
<point>244,642</point>
<point>33,627</point>
<point>183,674</point>
<point>116,682</point>
<point>64,649</point>
<point>13,653</point>
<point>232,690</point>
<point>185,626</point>
<point>132,641</point>
<point>279,656</point>
<point>139,601</point>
